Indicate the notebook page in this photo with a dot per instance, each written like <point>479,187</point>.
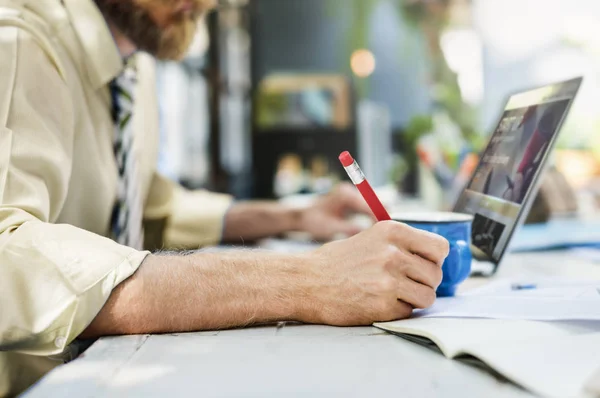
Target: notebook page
<point>453,336</point>
<point>593,384</point>
<point>550,366</point>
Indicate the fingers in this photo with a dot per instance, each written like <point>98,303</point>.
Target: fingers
<point>417,279</point>
<point>412,266</point>
<point>428,245</point>
<point>416,294</point>
<point>424,272</point>
<point>411,295</point>
<point>397,310</point>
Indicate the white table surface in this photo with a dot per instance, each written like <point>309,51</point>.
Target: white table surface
<point>290,360</point>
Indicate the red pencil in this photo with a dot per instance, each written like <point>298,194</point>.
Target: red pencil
<point>365,189</point>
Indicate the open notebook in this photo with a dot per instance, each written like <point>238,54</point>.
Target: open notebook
<point>552,359</point>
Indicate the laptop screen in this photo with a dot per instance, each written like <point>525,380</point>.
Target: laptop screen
<point>504,183</point>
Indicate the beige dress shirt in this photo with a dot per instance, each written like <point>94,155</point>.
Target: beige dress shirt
<point>58,181</point>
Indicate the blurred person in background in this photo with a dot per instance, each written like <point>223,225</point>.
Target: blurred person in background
<point>80,200</point>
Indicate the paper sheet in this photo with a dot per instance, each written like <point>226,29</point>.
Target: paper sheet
<point>548,301</point>
<point>551,367</point>
<point>524,308</point>
<point>544,287</point>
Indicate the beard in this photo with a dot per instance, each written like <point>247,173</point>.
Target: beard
<point>134,20</point>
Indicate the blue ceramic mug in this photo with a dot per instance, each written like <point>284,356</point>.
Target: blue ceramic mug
<point>456,228</point>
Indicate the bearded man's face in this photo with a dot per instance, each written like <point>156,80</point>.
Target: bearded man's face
<point>163,28</point>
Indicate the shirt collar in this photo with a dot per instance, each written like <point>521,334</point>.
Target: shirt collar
<point>102,59</point>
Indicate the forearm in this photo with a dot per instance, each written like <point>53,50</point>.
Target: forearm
<point>203,291</point>
<point>256,220</point>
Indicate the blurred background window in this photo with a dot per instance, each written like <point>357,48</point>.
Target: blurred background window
<point>530,43</point>
<point>274,88</point>
<point>185,115</point>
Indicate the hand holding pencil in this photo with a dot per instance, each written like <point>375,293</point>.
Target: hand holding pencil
<point>382,273</point>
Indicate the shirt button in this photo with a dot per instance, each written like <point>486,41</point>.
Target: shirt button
<point>59,342</point>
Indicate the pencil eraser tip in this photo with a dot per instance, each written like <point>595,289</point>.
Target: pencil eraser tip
<point>346,159</point>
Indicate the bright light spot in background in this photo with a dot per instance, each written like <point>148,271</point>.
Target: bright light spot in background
<point>530,43</point>
<point>580,167</point>
<point>583,30</point>
<point>363,63</point>
<point>567,63</point>
<point>516,28</point>
<point>463,51</point>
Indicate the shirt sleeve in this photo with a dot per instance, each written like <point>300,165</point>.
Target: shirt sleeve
<point>54,279</point>
<point>193,218</point>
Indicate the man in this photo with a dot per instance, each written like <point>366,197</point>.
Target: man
<point>66,188</point>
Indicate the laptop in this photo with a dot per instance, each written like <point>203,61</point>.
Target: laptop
<point>505,183</point>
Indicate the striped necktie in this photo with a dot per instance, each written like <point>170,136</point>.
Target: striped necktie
<point>126,224</point>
